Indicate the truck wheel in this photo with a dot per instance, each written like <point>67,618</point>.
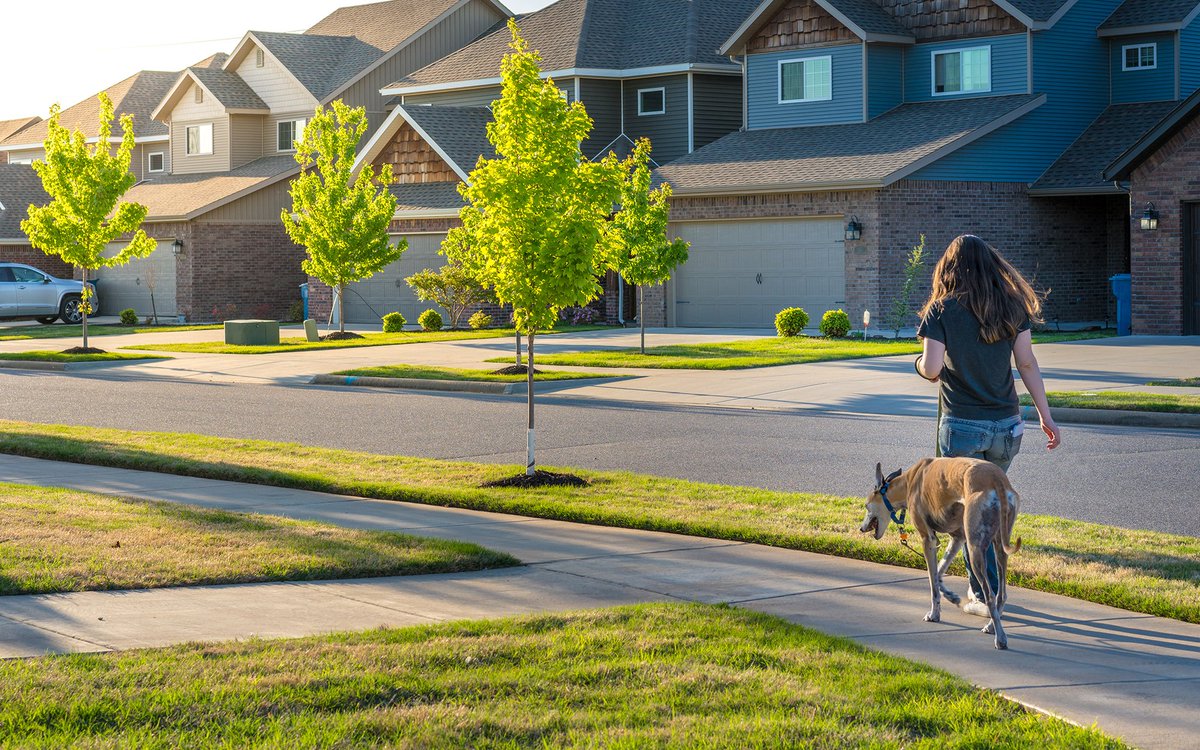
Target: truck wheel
<point>47,320</point>
<point>70,310</point>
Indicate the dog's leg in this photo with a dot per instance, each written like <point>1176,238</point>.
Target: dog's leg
<point>951,552</point>
<point>978,549</point>
<point>935,579</point>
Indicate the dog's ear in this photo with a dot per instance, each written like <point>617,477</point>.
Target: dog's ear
<point>878,474</point>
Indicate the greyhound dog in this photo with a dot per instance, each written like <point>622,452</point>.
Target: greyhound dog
<point>966,498</point>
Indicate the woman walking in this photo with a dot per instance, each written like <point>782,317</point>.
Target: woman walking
<point>976,321</point>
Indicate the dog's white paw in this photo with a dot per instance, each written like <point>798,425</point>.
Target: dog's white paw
<point>989,628</point>
<point>1002,645</point>
<point>933,617</point>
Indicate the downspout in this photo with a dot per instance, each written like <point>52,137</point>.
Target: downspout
<point>745,90</point>
<point>621,300</point>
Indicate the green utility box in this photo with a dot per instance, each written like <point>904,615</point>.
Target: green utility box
<point>252,332</point>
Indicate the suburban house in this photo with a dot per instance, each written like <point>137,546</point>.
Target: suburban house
<point>12,127</point>
<point>226,133</point>
<point>642,68</point>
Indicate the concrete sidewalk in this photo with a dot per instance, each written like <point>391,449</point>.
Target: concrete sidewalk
<point>1134,675</point>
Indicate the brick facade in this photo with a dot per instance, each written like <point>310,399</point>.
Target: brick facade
<point>1169,178</point>
<point>31,256</point>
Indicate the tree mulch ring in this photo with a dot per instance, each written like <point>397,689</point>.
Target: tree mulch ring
<point>539,479</point>
<point>516,370</point>
<point>340,336</point>
<point>84,350</point>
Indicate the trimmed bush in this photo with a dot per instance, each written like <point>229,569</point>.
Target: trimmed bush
<point>791,321</point>
<point>480,320</point>
<point>393,322</point>
<point>430,320</point>
<point>296,311</point>
<point>835,324</point>
<point>129,317</point>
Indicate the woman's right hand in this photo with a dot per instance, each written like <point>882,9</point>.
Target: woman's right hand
<point>1053,434</point>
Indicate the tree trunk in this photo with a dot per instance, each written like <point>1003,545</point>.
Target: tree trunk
<point>85,304</point>
<point>153,308</point>
<point>341,292</point>
<point>530,465</point>
<point>518,347</point>
<point>642,314</point>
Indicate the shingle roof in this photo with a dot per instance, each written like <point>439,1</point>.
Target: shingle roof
<point>861,154</point>
<point>1038,10</point>
<point>1137,13</point>
<point>137,95</point>
<point>186,195</point>
<point>869,16</point>
<point>461,132</point>
<point>1081,168</point>
<point>320,63</point>
<point>425,196</point>
<point>229,89</point>
<point>381,25</point>
<point>12,127</point>
<point>605,34</point>
<point>215,60</point>
<point>19,187</point>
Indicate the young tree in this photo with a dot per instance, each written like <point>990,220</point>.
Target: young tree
<point>340,220</point>
<point>914,269</point>
<point>85,213</point>
<point>451,287</point>
<point>642,254</point>
<point>534,227</point>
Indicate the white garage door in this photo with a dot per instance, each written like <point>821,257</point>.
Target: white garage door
<point>741,273</point>
<point>129,285</point>
<point>385,292</point>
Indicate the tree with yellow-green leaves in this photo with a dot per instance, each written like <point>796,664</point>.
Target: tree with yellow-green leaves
<point>85,213</point>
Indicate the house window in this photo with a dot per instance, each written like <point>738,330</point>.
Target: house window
<point>260,58</point>
<point>199,139</point>
<point>962,71</point>
<point>806,80</point>
<point>1139,57</point>
<point>156,162</point>
<point>652,101</point>
<point>290,132</point>
<point>198,94</point>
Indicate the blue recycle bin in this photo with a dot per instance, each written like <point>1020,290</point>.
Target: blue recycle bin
<point>304,298</point>
<point>1122,289</point>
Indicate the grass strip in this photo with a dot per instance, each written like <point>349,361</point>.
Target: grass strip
<point>1063,337</point>
<point>19,333</point>
<point>51,356</point>
<point>419,372</point>
<point>59,540</point>
<point>1122,400</point>
<point>1141,571</point>
<point>664,675</point>
<point>735,355</point>
<point>1182,383</point>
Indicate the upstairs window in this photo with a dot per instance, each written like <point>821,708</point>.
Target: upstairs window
<point>156,162</point>
<point>962,71</point>
<point>199,139</point>
<point>1139,57</point>
<point>652,101</point>
<point>290,132</point>
<point>806,80</point>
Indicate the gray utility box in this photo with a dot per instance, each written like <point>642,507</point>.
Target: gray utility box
<point>252,332</point>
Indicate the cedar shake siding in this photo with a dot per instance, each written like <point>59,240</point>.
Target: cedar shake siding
<point>414,161</point>
<point>801,23</point>
<point>936,20</point>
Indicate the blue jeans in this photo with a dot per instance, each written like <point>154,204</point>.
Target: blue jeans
<point>991,440</point>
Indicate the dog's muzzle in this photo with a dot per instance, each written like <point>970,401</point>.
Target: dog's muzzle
<point>871,526</point>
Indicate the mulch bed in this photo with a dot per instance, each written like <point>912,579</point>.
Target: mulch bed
<point>539,479</point>
<point>339,336</point>
<point>515,370</point>
<point>84,350</point>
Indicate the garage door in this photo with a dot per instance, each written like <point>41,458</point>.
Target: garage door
<point>129,285</point>
<point>741,273</point>
<point>385,292</point>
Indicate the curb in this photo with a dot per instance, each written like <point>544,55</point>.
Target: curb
<point>34,364</point>
<point>452,386</point>
<point>1116,417</point>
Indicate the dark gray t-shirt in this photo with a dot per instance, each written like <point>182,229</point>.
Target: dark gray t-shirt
<point>977,380</point>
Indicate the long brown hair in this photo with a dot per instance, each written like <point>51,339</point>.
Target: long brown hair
<point>977,275</point>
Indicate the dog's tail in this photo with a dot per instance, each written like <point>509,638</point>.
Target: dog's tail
<point>1004,534</point>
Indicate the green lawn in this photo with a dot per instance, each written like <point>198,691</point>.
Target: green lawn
<point>54,356</point>
<point>1060,337</point>
<point>735,355</point>
<point>686,676</point>
<point>62,540</point>
<point>418,372</point>
<point>1142,571</point>
<point>1184,383</point>
<point>1123,400</point>
<point>19,333</point>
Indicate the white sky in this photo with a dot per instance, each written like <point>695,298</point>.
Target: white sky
<point>68,50</point>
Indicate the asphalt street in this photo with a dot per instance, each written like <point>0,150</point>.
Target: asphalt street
<point>1131,477</point>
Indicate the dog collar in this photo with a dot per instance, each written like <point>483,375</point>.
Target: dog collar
<point>883,488</point>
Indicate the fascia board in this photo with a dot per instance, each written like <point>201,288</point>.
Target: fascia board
<point>965,139</point>
<point>1153,28</point>
<point>94,139</point>
<point>890,38</point>
<point>380,138</point>
<point>246,111</point>
<point>1016,13</point>
<point>647,72</point>
<point>15,241</point>
<point>1050,22</point>
<point>739,37</point>
<point>430,213</point>
<point>1066,192</point>
<point>779,187</point>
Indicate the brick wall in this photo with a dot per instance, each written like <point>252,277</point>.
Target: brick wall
<point>238,270</point>
<point>31,256</point>
<point>1169,178</point>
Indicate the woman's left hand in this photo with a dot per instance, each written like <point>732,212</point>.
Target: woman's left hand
<point>1053,434</point>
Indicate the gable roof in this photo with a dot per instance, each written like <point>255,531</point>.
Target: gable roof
<point>1154,138</point>
<point>228,88</point>
<point>385,25</point>
<point>596,36</point>
<point>1143,16</point>
<point>186,196</point>
<point>136,95</point>
<point>457,134</point>
<point>12,127</point>
<point>1038,14</point>
<point>1080,170</point>
<point>320,63</point>
<point>854,156</point>
<point>19,187</point>
<point>867,20</point>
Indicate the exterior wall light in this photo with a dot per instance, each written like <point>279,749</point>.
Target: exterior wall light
<point>854,229</point>
<point>177,247</point>
<point>1150,218</point>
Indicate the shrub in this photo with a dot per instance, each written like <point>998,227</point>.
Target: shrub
<point>835,324</point>
<point>129,317</point>
<point>296,311</point>
<point>579,316</point>
<point>452,288</point>
<point>430,320</point>
<point>393,322</point>
<point>480,320</point>
<point>791,321</point>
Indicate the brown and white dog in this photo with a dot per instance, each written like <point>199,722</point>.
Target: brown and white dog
<point>966,498</point>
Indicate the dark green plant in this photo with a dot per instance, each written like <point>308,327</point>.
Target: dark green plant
<point>902,310</point>
<point>296,311</point>
<point>835,324</point>
<point>480,320</point>
<point>129,317</point>
<point>791,321</point>
<point>430,320</point>
<point>393,322</point>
